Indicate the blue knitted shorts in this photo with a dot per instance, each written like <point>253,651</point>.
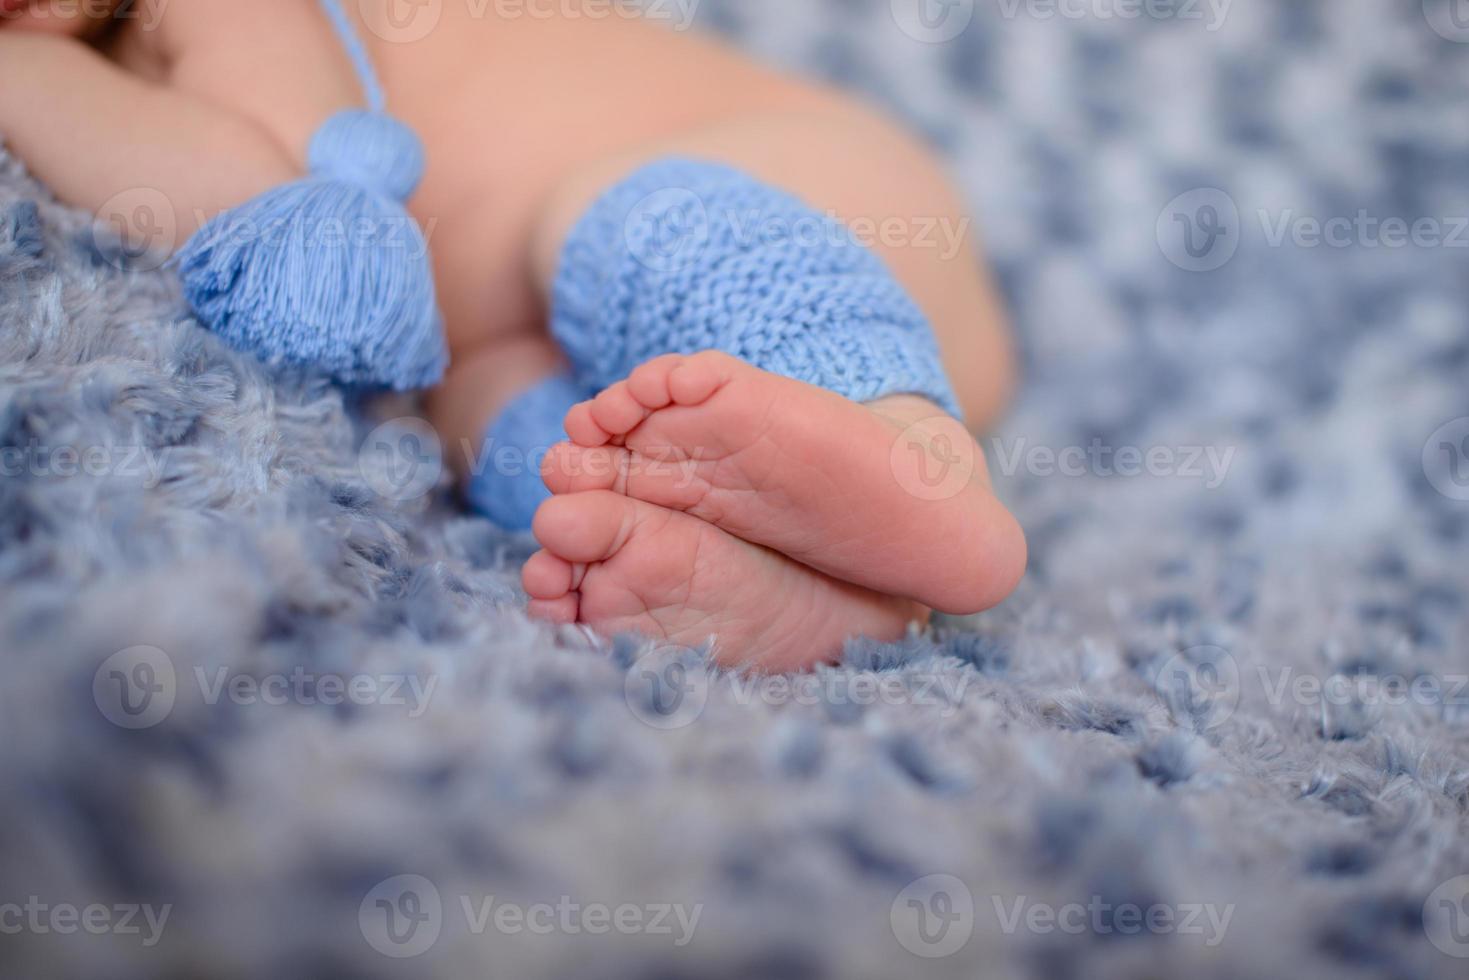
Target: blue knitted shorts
<point>683,256</point>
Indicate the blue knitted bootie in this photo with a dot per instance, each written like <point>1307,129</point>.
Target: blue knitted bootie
<point>505,480</point>
<point>683,256</point>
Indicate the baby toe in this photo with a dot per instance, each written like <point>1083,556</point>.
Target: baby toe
<point>700,376</point>
<point>569,468</point>
<point>546,576</point>
<point>582,428</point>
<point>649,382</point>
<point>616,411</point>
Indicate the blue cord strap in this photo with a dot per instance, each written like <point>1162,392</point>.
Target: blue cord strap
<point>329,272</point>
<point>372,89</point>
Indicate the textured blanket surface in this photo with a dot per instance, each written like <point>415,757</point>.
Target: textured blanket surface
<point>268,709</point>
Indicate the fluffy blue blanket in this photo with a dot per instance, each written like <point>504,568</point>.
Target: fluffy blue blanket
<point>269,707</point>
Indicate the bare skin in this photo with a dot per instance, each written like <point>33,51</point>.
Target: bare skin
<point>526,119</point>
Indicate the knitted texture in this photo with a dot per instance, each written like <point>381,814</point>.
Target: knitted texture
<point>505,483</point>
<point>686,255</point>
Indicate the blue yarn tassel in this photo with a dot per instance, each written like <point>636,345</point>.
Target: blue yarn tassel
<point>331,271</point>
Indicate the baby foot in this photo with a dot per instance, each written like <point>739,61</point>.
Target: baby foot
<point>865,495</point>
<point>624,565</point>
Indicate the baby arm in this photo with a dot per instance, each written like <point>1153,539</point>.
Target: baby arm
<point>92,131</point>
